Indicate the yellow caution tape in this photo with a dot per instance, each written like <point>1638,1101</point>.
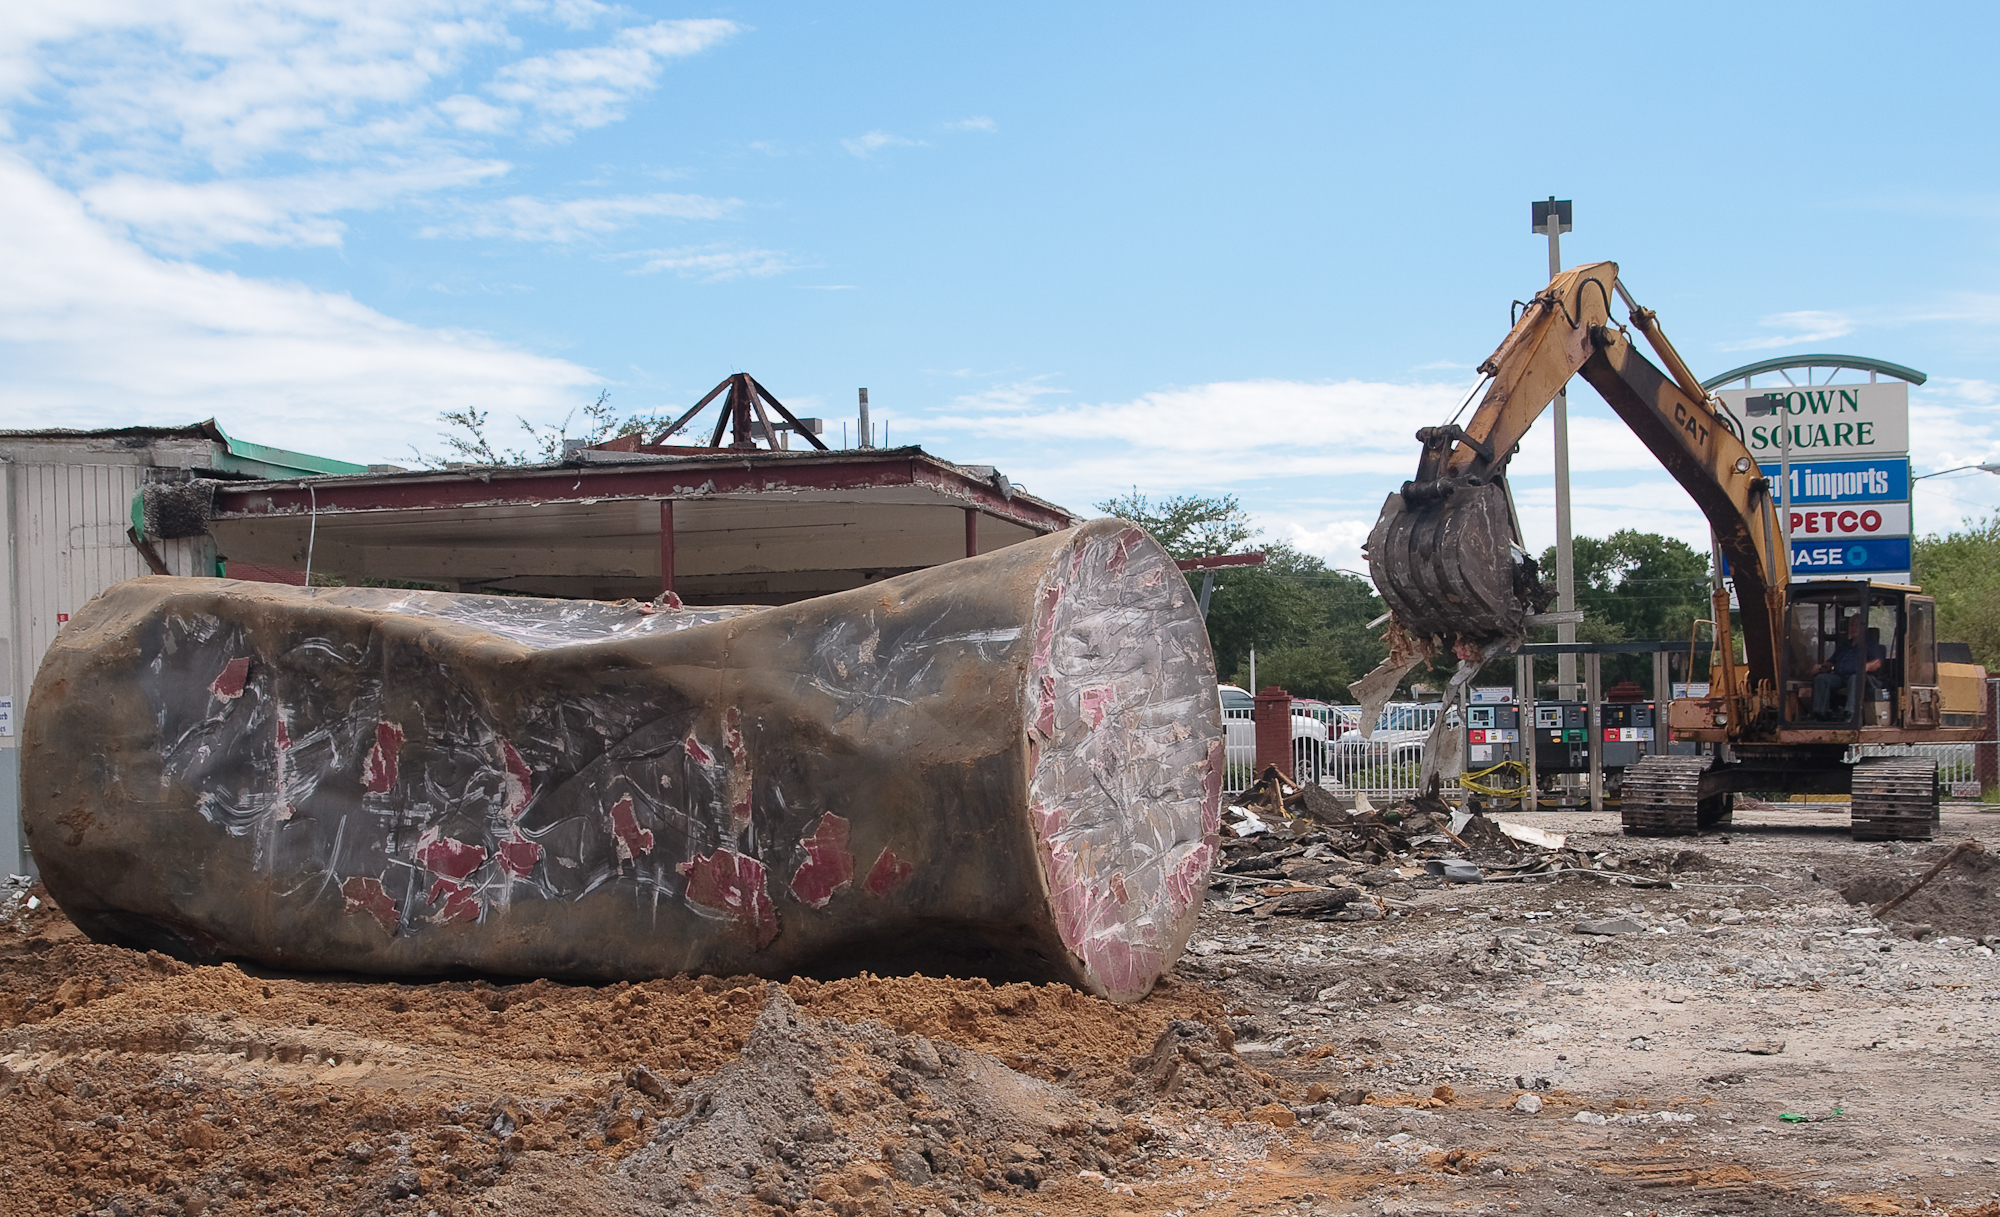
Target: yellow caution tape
<point>1471,781</point>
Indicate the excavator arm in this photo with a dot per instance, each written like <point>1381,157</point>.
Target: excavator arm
<point>1446,553</point>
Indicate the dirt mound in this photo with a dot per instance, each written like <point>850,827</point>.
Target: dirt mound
<point>134,1083</point>
<point>862,1118</point>
<point>1960,901</point>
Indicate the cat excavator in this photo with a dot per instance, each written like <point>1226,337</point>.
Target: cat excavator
<point>1824,666</point>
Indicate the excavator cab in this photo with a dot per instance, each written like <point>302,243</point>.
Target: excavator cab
<point>1858,655</point>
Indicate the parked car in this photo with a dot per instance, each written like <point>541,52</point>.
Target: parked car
<point>1239,734</point>
<point>1398,740</point>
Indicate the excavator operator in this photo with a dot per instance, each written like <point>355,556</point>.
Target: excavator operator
<point>1850,661</point>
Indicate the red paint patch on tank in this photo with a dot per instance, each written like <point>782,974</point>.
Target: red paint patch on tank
<point>364,894</point>
<point>518,857</point>
<point>828,867</point>
<point>284,733</point>
<point>1118,887</point>
<point>695,752</point>
<point>1121,549</point>
<point>888,873</point>
<point>459,902</point>
<point>1093,703</point>
<point>1045,627</point>
<point>520,781</point>
<point>733,885</point>
<point>632,839</point>
<point>378,772</point>
<point>1186,881</point>
<point>1045,715</point>
<point>228,684</point>
<point>451,858</point>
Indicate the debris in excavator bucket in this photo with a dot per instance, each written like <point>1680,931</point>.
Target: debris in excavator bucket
<point>1007,766</point>
<point>1450,568</point>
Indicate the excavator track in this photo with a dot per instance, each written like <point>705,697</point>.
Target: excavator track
<point>1895,798</point>
<point>1662,798</point>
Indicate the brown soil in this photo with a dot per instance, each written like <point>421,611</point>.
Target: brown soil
<point>1964,899</point>
<point>1302,1065</point>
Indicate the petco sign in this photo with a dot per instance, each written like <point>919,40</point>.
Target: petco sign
<point>1879,520</point>
<point>1828,420</point>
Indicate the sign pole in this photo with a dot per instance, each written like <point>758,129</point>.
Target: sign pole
<point>1553,217</point>
<point>1784,403</point>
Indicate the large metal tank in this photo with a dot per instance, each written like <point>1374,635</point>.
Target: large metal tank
<point>1007,766</point>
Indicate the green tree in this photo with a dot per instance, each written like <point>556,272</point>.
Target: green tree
<point>1962,569</point>
<point>1632,585</point>
<point>1306,621</point>
<point>467,438</point>
<point>1186,525</point>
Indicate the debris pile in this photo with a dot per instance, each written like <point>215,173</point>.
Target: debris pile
<point>1315,858</point>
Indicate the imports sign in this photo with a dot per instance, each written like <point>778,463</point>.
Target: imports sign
<point>1829,420</point>
<point>1883,480</point>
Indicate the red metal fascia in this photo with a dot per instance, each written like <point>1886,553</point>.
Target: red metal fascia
<point>1250,559</point>
<point>502,487</point>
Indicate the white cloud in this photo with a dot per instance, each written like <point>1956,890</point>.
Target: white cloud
<point>973,124</point>
<point>133,84</point>
<point>875,141</point>
<point>714,263</point>
<point>187,217</point>
<point>1342,439</point>
<point>94,331</point>
<point>203,123</point>
<point>1806,326</point>
<point>468,113</point>
<point>525,218</point>
<point>579,89</point>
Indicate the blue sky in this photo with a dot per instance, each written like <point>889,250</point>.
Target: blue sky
<point>1244,249</point>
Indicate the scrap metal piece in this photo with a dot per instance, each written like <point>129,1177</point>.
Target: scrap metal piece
<point>1008,766</point>
<point>1374,690</point>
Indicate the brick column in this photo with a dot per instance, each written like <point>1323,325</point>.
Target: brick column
<point>1272,713</point>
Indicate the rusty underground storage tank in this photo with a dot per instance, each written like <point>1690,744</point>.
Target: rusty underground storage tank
<point>1007,766</point>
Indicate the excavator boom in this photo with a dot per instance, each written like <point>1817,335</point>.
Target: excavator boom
<point>1446,553</point>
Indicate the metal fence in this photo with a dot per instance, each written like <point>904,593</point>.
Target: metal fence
<point>1387,767</point>
<point>1384,768</point>
<point>1954,761</point>
<point>1239,753</point>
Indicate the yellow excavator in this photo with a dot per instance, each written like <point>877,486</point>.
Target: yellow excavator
<point>1826,665</point>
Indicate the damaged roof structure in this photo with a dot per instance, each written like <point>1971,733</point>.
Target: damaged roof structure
<point>726,526</point>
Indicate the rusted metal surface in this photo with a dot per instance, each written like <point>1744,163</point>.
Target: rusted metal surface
<point>693,477</point>
<point>1008,766</point>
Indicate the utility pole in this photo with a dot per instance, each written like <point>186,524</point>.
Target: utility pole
<point>1553,218</point>
<point>863,430</point>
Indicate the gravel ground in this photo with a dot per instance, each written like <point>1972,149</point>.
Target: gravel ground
<point>1656,1065</point>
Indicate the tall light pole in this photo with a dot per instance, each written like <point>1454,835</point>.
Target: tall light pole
<point>1553,217</point>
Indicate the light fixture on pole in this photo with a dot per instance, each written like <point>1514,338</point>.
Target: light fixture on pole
<point>1553,218</point>
<point>1994,468</point>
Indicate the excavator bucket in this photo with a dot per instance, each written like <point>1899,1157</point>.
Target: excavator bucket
<point>1451,568</point>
